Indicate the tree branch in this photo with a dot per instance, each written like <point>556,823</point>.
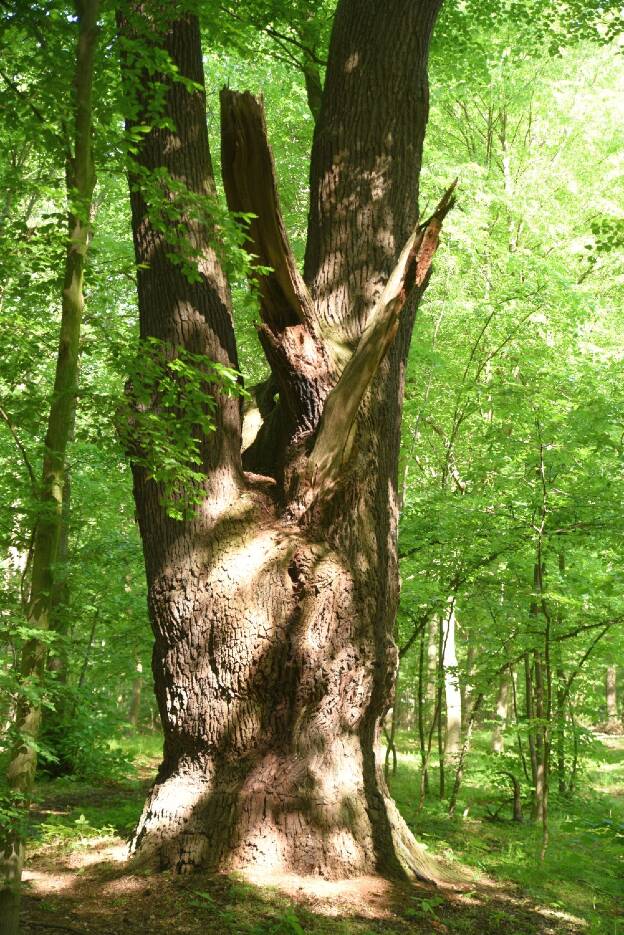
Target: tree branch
<point>250,187</point>
<point>277,35</point>
<point>570,680</point>
<point>23,97</point>
<point>9,424</point>
<point>460,483</point>
<point>411,272</point>
<point>419,626</point>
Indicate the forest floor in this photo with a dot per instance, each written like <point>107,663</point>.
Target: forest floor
<point>76,879</point>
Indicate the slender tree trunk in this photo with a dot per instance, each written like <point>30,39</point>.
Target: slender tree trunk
<point>514,698</point>
<point>502,704</point>
<point>517,800</point>
<point>422,670</point>
<point>560,730</point>
<point>59,604</point>
<point>466,687</point>
<point>560,696</point>
<point>273,608</point>
<point>134,711</point>
<point>530,716</point>
<point>611,695</point>
<point>87,653</point>
<point>451,685</point>
<point>575,755</point>
<point>432,661</point>
<point>459,773</point>
<point>54,720</point>
<point>542,666</point>
<point>423,774</point>
<point>438,705</point>
<point>391,750</point>
<point>540,751</point>
<point>80,185</point>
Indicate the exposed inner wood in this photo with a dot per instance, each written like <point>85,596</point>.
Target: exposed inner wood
<point>411,272</point>
<point>287,333</point>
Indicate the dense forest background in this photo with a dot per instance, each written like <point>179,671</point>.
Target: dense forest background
<point>510,628</point>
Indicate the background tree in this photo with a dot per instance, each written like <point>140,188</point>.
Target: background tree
<point>47,530</point>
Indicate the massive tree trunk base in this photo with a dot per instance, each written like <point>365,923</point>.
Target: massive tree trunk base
<point>273,674</point>
<point>273,671</point>
<point>189,824</point>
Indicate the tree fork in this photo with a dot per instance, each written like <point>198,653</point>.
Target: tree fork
<point>411,272</point>
<point>274,660</point>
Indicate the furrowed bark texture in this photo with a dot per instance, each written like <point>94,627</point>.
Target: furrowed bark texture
<point>273,609</point>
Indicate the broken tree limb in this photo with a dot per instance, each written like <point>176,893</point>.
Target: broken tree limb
<point>287,333</point>
<point>411,272</point>
<point>250,186</point>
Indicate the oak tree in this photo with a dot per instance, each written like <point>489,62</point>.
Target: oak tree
<point>273,604</point>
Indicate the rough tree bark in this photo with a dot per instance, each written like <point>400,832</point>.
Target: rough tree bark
<point>273,608</point>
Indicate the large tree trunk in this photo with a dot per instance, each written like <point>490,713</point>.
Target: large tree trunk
<point>273,609</point>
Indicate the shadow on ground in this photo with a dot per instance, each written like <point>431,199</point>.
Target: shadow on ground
<point>90,890</point>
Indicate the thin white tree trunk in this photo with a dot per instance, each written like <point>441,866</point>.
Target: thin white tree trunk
<point>451,684</point>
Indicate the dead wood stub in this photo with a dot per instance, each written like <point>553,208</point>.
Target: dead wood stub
<point>288,335</point>
<point>250,185</point>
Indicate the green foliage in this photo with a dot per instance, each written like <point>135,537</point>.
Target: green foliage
<point>286,924</point>
<point>174,210</point>
<point>64,836</point>
<point>13,819</point>
<point>170,406</point>
<point>512,429</point>
<point>77,742</point>
<point>588,823</point>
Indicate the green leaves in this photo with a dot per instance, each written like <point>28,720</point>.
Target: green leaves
<point>517,349</point>
<point>170,406</point>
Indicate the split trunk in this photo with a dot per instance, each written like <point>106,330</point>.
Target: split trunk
<point>273,608</point>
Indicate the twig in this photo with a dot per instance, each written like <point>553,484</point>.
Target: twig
<point>9,424</point>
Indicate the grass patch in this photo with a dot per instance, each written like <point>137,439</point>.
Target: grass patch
<point>583,870</point>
